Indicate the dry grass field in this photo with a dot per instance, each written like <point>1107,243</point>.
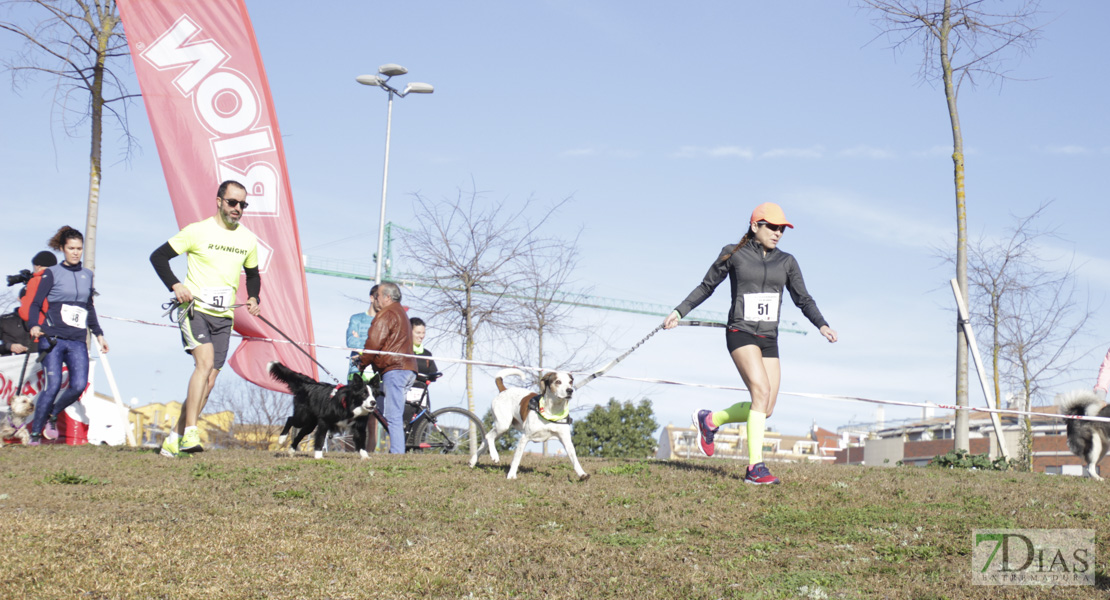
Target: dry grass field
<point>98,523</point>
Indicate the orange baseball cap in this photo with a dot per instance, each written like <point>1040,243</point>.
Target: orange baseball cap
<point>772,213</point>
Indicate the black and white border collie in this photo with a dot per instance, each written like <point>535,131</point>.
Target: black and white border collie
<point>1089,440</point>
<point>323,407</point>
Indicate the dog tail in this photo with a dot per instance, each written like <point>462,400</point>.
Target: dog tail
<point>1079,403</point>
<point>292,379</point>
<point>503,373</point>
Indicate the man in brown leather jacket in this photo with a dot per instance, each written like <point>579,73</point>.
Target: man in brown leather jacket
<point>391,332</point>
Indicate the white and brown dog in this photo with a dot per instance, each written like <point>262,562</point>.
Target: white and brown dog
<point>539,416</point>
<point>16,423</point>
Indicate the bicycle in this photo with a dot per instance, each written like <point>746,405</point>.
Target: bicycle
<point>444,431</point>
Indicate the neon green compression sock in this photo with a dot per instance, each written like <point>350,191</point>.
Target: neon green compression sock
<point>756,423</point>
<point>737,413</point>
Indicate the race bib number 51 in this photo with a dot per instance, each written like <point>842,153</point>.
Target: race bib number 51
<point>761,307</point>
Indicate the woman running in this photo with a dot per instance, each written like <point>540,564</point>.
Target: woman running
<point>1103,381</point>
<point>67,290</point>
<point>757,271</point>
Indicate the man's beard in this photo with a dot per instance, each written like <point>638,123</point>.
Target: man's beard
<point>228,219</point>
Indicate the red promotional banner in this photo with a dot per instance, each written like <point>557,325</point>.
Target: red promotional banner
<point>213,119</point>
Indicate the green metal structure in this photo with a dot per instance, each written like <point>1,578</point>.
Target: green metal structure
<point>365,272</point>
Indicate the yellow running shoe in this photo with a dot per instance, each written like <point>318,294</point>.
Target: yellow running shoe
<point>171,448</point>
<point>190,442</point>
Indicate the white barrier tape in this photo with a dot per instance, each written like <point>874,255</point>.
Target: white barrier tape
<point>673,382</point>
<point>871,400</point>
<point>343,348</point>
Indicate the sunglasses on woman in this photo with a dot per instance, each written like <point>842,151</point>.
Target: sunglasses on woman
<point>767,225</point>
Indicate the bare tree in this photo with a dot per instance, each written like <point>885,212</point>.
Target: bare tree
<point>8,301</point>
<point>469,251</point>
<point>962,41</point>
<point>259,413</point>
<point>1030,307</point>
<point>78,42</point>
<point>545,302</point>
<point>1045,317</point>
<point>997,269</point>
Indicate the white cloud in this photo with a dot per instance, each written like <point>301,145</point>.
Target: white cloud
<point>944,150</point>
<point>714,152</point>
<point>864,218</point>
<point>934,151</point>
<point>624,153</point>
<point>1066,149</point>
<point>811,152</point>
<point>1094,270</point>
<point>599,152</point>
<point>579,152</point>
<point>865,152</point>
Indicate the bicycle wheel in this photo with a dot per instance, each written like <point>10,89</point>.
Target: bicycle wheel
<point>449,431</point>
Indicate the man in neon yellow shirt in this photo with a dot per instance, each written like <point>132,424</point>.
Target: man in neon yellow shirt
<point>218,248</point>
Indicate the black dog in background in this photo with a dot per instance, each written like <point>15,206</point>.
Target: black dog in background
<point>323,407</point>
<point>1089,440</point>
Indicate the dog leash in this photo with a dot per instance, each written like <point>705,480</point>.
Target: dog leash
<point>23,373</point>
<point>187,309</point>
<point>616,360</point>
<point>298,347</point>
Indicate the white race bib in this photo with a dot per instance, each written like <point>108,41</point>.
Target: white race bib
<point>217,297</point>
<point>74,316</point>
<point>761,307</point>
<point>414,394</point>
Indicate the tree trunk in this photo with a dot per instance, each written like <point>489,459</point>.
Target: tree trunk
<point>996,347</point>
<point>96,114</point>
<point>1027,422</point>
<point>961,433</point>
<point>539,343</point>
<point>470,367</point>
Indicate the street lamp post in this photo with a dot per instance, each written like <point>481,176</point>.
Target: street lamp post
<point>385,72</point>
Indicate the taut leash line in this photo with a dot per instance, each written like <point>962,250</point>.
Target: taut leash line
<point>298,347</point>
<point>616,360</point>
<point>187,308</point>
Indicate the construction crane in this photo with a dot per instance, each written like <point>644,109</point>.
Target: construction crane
<point>364,271</point>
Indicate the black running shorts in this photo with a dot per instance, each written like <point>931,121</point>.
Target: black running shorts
<point>735,338</point>
<point>206,329</point>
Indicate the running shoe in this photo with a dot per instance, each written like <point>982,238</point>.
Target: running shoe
<point>171,449</point>
<point>706,431</point>
<point>760,475</point>
<point>50,432</point>
<point>190,442</point>
<point>34,441</point>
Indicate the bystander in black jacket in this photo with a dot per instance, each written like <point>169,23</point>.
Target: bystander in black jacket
<point>14,331</point>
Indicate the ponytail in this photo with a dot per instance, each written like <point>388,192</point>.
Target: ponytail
<point>743,242</point>
<point>64,234</point>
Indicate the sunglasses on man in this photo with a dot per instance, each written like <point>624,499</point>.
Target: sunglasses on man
<point>234,203</point>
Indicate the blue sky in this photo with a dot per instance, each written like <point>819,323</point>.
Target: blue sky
<point>665,125</point>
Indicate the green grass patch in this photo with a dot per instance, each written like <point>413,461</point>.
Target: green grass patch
<point>253,524</point>
<point>65,477</point>
<point>632,469</point>
<point>292,494</point>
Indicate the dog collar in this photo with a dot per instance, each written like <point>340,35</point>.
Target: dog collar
<point>11,423</point>
<point>536,404</point>
<point>335,391</point>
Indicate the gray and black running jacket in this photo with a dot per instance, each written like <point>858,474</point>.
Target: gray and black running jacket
<point>750,272</point>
